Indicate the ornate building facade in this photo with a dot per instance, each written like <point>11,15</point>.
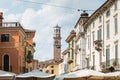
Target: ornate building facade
<point>97,40</point>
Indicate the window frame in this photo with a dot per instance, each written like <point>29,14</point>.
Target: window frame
<point>6,36</point>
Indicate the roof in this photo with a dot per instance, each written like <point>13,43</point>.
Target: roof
<point>84,16</point>
<point>65,51</point>
<point>28,30</point>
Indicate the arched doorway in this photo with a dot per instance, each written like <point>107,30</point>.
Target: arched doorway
<point>6,63</point>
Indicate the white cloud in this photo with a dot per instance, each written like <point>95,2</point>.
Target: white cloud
<point>3,10</point>
<point>43,21</point>
<point>13,18</point>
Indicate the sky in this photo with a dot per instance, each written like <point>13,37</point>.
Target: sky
<point>43,15</point>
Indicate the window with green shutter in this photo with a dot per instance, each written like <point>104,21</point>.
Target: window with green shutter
<point>116,53</point>
<point>99,34</point>
<point>107,57</point>
<point>108,31</point>
<point>116,24</point>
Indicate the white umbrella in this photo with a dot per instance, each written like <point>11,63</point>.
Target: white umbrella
<point>80,73</point>
<point>35,74</point>
<point>7,75</point>
<point>117,73</point>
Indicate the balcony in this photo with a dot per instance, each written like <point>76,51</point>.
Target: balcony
<point>70,60</point>
<point>110,65</point>
<point>98,45</point>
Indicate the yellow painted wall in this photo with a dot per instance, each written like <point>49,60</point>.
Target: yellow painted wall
<point>55,68</point>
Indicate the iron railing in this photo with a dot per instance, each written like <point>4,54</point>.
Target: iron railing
<point>11,24</point>
<point>115,63</point>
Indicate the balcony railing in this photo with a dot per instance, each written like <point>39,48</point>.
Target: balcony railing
<point>98,45</point>
<point>11,24</point>
<point>114,63</point>
<point>70,60</point>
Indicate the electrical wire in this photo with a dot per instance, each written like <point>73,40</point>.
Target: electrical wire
<point>48,4</point>
<point>54,5</point>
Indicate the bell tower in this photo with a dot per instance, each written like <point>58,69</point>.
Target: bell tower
<point>57,43</point>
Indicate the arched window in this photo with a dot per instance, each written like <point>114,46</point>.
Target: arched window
<point>6,63</point>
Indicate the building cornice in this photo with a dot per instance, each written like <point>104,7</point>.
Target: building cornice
<point>71,36</point>
<point>12,28</point>
<point>98,12</point>
<point>65,52</point>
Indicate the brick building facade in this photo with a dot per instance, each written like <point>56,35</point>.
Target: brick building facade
<point>12,49</point>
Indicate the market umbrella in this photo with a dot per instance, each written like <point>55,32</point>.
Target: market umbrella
<point>4,75</point>
<point>35,75</point>
<point>84,74</point>
<point>113,76</point>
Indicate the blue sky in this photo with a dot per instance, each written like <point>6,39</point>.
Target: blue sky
<point>43,18</point>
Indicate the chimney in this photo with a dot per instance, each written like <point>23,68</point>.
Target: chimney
<point>1,18</point>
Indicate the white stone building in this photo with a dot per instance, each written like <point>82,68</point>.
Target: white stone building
<point>103,36</point>
<point>64,64</point>
<point>80,43</point>
<point>97,40</point>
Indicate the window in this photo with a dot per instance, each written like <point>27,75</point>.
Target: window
<point>6,63</point>
<point>100,18</point>
<point>52,71</point>
<point>93,36</point>
<point>57,31</point>
<point>72,53</point>
<point>99,34</point>
<point>100,57</point>
<point>68,56</point>
<point>52,66</point>
<point>116,53</point>
<point>107,57</point>
<point>29,57</point>
<point>108,31</point>
<point>27,36</point>
<point>93,24</point>
<point>88,42</point>
<point>116,24</point>
<point>108,13</point>
<point>30,68</point>
<point>75,59</point>
<point>5,38</point>
<point>47,71</point>
<point>115,5</point>
<point>88,62</point>
<point>69,45</point>
<point>93,60</point>
<point>72,43</point>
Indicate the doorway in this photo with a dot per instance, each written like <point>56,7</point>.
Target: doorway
<point>6,63</point>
